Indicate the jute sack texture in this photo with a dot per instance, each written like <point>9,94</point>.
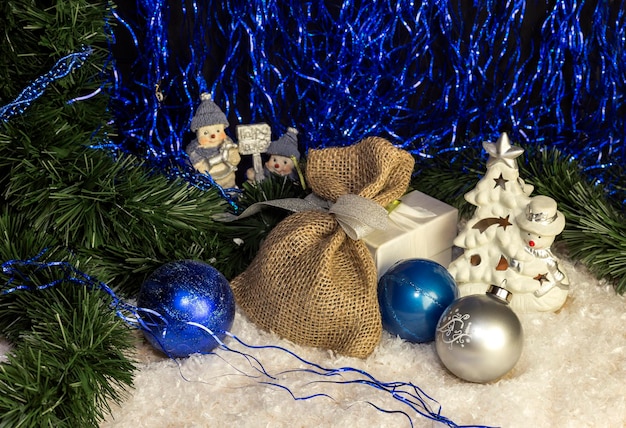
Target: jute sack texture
<point>309,282</point>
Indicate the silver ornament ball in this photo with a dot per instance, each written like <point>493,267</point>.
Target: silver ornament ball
<point>479,338</point>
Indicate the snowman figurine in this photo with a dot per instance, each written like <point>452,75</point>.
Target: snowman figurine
<point>283,157</point>
<point>212,151</point>
<point>547,286</point>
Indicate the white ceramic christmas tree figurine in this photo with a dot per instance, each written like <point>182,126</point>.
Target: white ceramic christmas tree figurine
<point>212,151</point>
<point>495,240</point>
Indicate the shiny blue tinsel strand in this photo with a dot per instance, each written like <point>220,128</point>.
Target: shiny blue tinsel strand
<point>429,75</point>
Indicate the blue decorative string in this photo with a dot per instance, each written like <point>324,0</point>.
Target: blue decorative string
<point>36,88</point>
<point>404,392</point>
<point>20,273</point>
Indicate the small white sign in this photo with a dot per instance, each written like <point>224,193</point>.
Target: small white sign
<point>254,139</point>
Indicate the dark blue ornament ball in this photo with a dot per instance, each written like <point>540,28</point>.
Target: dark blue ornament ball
<point>412,295</point>
<point>181,292</point>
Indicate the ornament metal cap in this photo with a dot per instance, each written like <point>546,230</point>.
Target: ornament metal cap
<point>500,292</point>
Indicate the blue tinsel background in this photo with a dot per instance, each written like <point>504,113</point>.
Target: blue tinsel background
<point>431,76</point>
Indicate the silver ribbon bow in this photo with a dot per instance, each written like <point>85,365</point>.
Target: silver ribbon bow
<point>357,216</point>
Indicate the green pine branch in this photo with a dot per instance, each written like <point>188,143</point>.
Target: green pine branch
<point>37,33</point>
<point>69,348</point>
<point>69,365</point>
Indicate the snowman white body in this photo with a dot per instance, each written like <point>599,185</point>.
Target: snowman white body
<point>542,285</point>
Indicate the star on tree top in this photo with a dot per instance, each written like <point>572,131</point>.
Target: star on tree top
<point>502,151</point>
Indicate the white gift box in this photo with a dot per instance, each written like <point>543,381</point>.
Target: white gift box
<point>419,227</point>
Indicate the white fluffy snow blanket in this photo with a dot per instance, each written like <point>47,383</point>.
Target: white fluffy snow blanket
<point>572,373</point>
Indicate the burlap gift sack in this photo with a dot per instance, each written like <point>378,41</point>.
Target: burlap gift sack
<point>311,283</point>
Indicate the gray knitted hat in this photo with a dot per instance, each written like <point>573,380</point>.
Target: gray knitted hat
<point>208,114</point>
<point>286,145</point>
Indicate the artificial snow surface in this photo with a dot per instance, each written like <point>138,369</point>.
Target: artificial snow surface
<point>572,373</point>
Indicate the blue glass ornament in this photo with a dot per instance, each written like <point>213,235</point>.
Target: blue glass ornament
<point>412,295</point>
<point>181,292</point>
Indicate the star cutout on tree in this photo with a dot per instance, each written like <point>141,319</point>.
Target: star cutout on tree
<point>541,277</point>
<point>503,151</point>
<point>500,181</point>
